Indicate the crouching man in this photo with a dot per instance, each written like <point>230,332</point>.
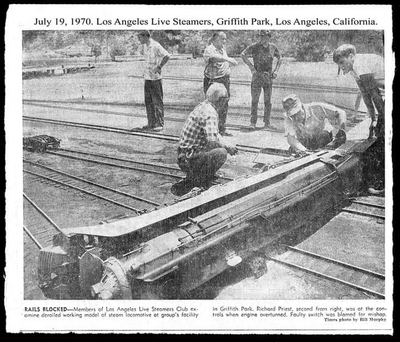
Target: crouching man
<point>202,151</point>
<point>310,126</point>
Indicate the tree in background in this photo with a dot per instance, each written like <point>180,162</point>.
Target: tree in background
<point>310,46</point>
<point>301,45</point>
<point>193,42</point>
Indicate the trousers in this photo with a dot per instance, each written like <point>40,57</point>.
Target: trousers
<point>223,112</point>
<point>153,99</point>
<point>261,81</point>
<point>201,167</point>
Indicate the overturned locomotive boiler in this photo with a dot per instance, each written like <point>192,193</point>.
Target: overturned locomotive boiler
<point>177,248</point>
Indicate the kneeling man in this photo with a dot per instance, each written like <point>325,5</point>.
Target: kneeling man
<point>202,151</point>
<point>310,126</point>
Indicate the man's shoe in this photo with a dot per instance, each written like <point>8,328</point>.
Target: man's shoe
<point>158,129</point>
<point>252,127</point>
<point>182,187</point>
<point>270,127</point>
<point>147,127</point>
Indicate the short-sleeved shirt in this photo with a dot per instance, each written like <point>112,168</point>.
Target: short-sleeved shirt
<point>319,117</point>
<point>200,128</point>
<point>263,56</point>
<point>153,54</point>
<point>369,64</point>
<point>215,69</point>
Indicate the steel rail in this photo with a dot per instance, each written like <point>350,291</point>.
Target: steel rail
<point>120,159</point>
<point>172,138</point>
<point>105,128</point>
<point>132,161</point>
<point>340,263</point>
<point>282,85</point>
<point>35,241</point>
<point>363,213</point>
<point>322,275</point>
<point>93,183</point>
<point>114,165</point>
<point>85,191</point>
<point>170,106</point>
<point>43,214</point>
<point>368,204</point>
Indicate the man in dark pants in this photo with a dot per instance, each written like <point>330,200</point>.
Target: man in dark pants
<point>263,54</point>
<point>218,71</point>
<point>311,126</point>
<point>155,58</point>
<point>368,72</point>
<point>202,151</point>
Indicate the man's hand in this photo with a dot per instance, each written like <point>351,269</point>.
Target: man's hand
<point>306,153</point>
<point>232,61</point>
<point>340,138</point>
<point>274,75</point>
<point>157,69</point>
<point>232,150</point>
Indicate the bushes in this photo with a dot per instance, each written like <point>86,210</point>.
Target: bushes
<point>117,50</point>
<point>309,47</point>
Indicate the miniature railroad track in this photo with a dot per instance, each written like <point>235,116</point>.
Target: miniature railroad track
<point>163,170</point>
<point>366,209</point>
<point>38,226</point>
<point>99,191</point>
<point>359,278</point>
<point>176,107</point>
<point>283,85</point>
<point>146,134</point>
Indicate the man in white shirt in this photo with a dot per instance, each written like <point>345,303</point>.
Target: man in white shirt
<point>155,58</point>
<point>218,70</point>
<point>368,73</point>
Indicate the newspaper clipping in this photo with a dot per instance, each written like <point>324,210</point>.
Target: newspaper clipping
<point>199,169</point>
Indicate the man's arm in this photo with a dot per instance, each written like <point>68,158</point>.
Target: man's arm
<point>247,61</point>
<point>161,52</point>
<point>336,116</point>
<point>277,55</point>
<point>162,63</point>
<point>295,144</point>
<point>214,139</point>
<point>164,60</point>
<point>214,56</point>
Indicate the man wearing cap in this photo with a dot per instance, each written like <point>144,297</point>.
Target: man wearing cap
<point>155,58</point>
<point>202,151</point>
<point>310,126</point>
<point>218,70</point>
<point>263,54</point>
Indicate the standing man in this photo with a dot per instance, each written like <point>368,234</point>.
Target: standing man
<point>368,72</point>
<point>218,71</point>
<point>155,58</point>
<point>263,54</point>
<point>310,126</point>
<point>202,151</point>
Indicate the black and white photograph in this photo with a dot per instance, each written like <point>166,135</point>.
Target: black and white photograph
<point>178,172</point>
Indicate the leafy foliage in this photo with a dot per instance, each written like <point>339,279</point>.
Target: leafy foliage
<point>301,45</point>
<point>310,46</point>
